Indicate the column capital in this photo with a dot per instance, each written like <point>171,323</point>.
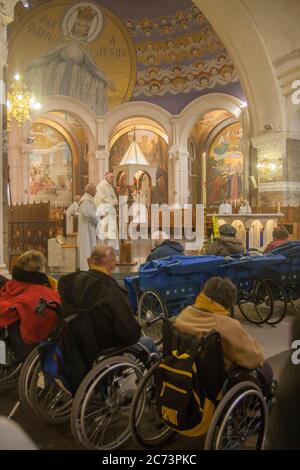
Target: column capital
<point>102,154</point>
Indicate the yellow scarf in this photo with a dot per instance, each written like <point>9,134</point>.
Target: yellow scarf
<point>53,282</point>
<point>205,303</point>
<point>101,269</point>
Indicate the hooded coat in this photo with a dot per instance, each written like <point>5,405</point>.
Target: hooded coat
<point>225,246</point>
<point>104,318</point>
<point>167,248</point>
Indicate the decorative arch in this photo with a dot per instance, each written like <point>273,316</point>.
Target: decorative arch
<point>137,109</point>
<point>255,234</point>
<point>76,108</point>
<point>202,105</point>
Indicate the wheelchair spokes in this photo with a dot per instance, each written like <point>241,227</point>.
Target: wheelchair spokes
<point>147,428</point>
<point>241,422</point>
<point>100,412</point>
<point>256,305</point>
<point>151,312</point>
<point>48,399</point>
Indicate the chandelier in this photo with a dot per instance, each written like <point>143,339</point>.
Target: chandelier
<point>20,101</point>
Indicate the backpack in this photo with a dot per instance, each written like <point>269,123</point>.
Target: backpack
<point>62,359</point>
<point>52,364</point>
<point>180,397</point>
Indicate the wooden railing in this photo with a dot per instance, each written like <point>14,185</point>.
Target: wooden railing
<point>31,225</point>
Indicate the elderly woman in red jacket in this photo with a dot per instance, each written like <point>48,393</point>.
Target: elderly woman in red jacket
<point>20,296</point>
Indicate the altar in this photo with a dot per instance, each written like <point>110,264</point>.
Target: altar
<point>255,230</point>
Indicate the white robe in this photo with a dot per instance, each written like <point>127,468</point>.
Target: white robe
<point>72,211</point>
<point>87,223</point>
<point>107,230</point>
<point>225,209</point>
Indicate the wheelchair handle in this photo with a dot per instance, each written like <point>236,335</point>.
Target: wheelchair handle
<point>50,305</point>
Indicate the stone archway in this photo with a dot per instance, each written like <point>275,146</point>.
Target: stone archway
<point>249,51</point>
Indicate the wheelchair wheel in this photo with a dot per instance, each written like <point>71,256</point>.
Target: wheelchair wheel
<point>49,400</point>
<point>147,428</point>
<point>240,420</point>
<point>151,312</point>
<point>25,378</point>
<point>280,301</point>
<point>100,411</point>
<point>257,305</point>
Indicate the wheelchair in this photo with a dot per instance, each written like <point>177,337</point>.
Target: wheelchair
<point>47,399</point>
<point>99,407</point>
<point>239,415</point>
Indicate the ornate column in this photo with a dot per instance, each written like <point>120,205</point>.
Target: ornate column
<point>102,153</point>
<point>6,17</point>
<point>178,168</point>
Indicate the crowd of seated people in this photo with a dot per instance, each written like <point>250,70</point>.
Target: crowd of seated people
<point>101,302</point>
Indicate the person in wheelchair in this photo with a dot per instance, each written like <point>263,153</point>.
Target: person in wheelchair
<point>19,298</point>
<point>104,319</point>
<point>211,311</point>
<point>226,244</point>
<point>280,237</point>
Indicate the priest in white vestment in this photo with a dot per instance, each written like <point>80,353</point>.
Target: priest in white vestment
<point>107,202</point>
<point>87,224</point>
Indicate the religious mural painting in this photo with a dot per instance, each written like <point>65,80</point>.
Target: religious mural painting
<point>50,167</point>
<point>155,150</point>
<point>104,53</point>
<point>83,51</point>
<point>225,167</point>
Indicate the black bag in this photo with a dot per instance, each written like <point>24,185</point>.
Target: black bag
<point>180,397</point>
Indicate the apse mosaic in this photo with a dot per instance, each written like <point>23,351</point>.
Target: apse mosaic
<point>156,151</point>
<point>82,50</point>
<point>50,167</point>
<point>107,52</point>
<point>225,166</point>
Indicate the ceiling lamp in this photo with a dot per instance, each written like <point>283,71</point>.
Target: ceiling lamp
<point>20,101</point>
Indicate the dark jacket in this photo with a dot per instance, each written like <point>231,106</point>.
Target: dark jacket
<point>284,429</point>
<point>167,248</point>
<point>104,318</point>
<point>225,246</point>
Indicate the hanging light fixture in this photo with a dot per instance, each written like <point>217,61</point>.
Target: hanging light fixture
<point>20,101</point>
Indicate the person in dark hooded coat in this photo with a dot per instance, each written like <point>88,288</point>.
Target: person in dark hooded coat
<point>227,244</point>
<point>98,314</point>
<point>164,247</point>
<point>102,303</point>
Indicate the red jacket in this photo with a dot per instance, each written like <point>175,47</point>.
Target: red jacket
<point>275,244</point>
<point>25,297</point>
